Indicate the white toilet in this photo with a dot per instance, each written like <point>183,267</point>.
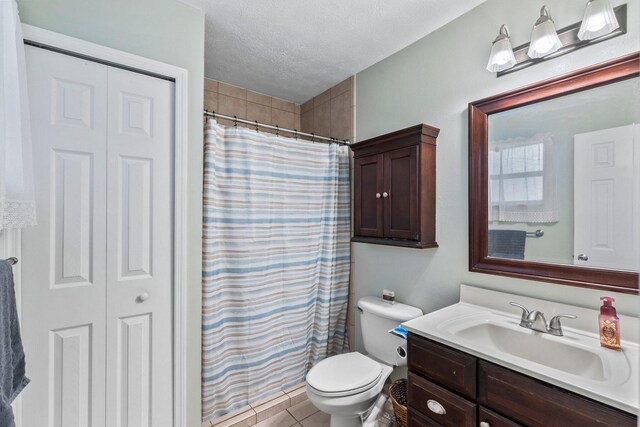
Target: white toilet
<point>347,386</point>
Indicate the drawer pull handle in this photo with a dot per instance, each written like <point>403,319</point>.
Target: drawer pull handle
<point>435,407</point>
<point>485,424</point>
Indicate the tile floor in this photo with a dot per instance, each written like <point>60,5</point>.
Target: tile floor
<point>285,409</point>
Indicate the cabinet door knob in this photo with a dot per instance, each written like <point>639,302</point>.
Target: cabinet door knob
<point>583,257</point>
<point>385,194</point>
<point>485,424</point>
<point>435,407</point>
<point>143,296</point>
<point>378,195</point>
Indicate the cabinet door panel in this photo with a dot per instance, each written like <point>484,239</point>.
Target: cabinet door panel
<point>401,186</point>
<point>368,210</point>
<point>493,419</point>
<point>536,404</point>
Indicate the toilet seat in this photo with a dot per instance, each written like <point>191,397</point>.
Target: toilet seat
<point>344,375</point>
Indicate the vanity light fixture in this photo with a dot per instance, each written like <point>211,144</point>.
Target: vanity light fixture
<point>600,23</point>
<point>544,38</point>
<point>599,19</point>
<point>501,57</point>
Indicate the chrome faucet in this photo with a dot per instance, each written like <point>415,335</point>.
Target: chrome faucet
<point>536,321</point>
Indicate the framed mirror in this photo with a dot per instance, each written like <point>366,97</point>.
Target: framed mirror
<point>554,179</point>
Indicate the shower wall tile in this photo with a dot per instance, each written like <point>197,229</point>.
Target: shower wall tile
<point>258,98</point>
<point>231,90</point>
<point>258,112</point>
<point>342,87</point>
<point>284,119</point>
<point>211,100</point>
<point>341,116</point>
<point>306,121</point>
<point>322,98</point>
<point>322,119</point>
<point>232,106</point>
<point>307,106</point>
<point>283,105</point>
<point>211,85</point>
<point>246,104</point>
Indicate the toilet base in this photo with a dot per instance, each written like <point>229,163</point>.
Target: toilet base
<point>342,421</point>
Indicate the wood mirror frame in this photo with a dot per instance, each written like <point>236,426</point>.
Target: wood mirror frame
<point>588,277</point>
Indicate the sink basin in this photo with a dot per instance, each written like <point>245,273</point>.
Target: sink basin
<point>529,345</point>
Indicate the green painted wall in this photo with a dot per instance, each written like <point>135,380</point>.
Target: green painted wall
<point>432,81</point>
<point>170,32</point>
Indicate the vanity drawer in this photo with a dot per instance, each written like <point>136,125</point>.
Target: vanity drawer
<point>416,419</point>
<point>537,404</point>
<point>458,412</point>
<point>494,420</point>
<point>448,367</point>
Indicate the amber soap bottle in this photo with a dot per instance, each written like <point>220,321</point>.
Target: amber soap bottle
<point>609,324</point>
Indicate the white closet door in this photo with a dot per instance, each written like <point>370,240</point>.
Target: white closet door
<point>139,255</point>
<point>63,282</point>
<point>606,217</point>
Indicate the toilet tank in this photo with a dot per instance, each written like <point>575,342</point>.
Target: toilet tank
<point>377,317</point>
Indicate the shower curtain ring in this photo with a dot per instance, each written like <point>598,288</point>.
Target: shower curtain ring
<point>257,126</point>
<point>235,121</point>
<point>313,137</point>
<point>295,133</point>
<point>277,130</point>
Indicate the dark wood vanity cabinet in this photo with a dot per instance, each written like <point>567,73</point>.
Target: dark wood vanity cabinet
<point>447,387</point>
<point>395,187</point>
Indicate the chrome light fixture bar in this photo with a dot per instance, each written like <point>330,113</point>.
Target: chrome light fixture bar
<point>569,38</point>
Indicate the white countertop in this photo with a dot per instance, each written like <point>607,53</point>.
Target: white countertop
<point>616,383</point>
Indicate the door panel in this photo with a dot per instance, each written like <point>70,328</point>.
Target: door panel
<point>63,288</point>
<point>368,188</point>
<point>139,258</point>
<point>606,217</point>
<point>401,186</point>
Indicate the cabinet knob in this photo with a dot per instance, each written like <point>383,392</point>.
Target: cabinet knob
<point>484,424</point>
<point>143,297</point>
<point>435,407</point>
<point>385,194</point>
<point>378,195</point>
<point>583,257</point>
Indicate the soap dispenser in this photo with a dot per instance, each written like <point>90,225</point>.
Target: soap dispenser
<point>609,324</point>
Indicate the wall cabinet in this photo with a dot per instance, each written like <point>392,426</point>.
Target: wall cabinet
<point>447,387</point>
<point>395,188</point>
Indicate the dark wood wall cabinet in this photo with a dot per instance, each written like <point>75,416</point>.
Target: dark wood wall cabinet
<point>448,387</point>
<point>395,188</point>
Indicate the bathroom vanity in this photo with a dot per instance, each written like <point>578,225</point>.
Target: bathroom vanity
<point>472,364</point>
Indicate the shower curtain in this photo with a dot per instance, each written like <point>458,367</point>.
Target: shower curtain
<point>276,258</point>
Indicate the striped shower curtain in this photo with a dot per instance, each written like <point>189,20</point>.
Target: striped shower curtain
<point>275,263</point>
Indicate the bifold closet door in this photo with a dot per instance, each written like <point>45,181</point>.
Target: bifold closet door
<point>139,255</point>
<point>63,315</point>
<point>97,269</point>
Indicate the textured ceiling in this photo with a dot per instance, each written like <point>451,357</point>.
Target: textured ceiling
<point>296,49</point>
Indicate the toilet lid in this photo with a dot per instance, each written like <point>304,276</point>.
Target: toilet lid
<point>350,372</point>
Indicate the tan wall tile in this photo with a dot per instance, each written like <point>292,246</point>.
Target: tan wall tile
<point>211,85</point>
<point>210,100</point>
<point>307,106</point>
<point>232,106</point>
<point>322,119</point>
<point>296,109</point>
<point>306,121</point>
<point>322,98</point>
<point>341,116</point>
<point>296,121</point>
<point>282,118</point>
<point>283,105</point>
<point>258,98</point>
<point>230,90</point>
<point>258,112</point>
<point>342,87</point>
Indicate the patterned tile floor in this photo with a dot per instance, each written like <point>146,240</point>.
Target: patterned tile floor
<point>285,409</point>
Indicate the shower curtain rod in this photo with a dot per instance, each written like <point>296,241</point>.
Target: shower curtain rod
<point>323,139</point>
